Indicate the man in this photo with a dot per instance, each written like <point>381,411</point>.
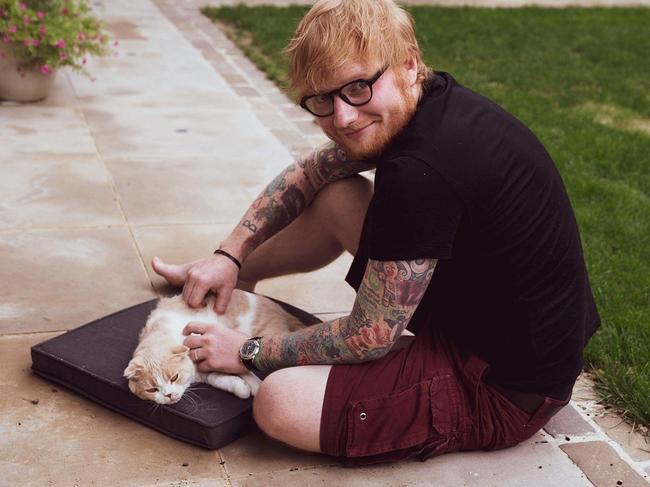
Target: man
<point>467,238</point>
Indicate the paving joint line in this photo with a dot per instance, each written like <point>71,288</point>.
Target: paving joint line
<point>116,195</point>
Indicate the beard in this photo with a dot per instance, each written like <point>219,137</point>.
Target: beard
<point>385,130</point>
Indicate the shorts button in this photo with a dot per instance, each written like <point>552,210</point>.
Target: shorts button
<point>363,416</point>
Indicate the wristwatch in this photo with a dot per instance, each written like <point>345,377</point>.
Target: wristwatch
<point>249,350</point>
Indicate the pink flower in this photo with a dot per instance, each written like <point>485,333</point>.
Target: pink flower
<point>60,44</point>
<point>42,30</point>
<point>2,13</point>
<point>93,79</point>
<point>6,39</point>
<point>81,36</point>
<point>62,56</point>
<point>84,61</point>
<point>40,14</point>
<point>65,11</point>
<point>26,20</point>
<point>12,29</point>
<point>22,6</point>
<point>35,42</point>
<point>45,69</point>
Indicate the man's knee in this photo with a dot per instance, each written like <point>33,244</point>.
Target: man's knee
<point>345,191</point>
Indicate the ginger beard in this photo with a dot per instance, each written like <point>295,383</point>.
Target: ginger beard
<point>383,130</point>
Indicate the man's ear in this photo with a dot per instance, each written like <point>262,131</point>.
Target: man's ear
<point>134,369</point>
<point>411,70</point>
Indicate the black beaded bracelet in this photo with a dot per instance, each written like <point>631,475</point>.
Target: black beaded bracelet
<point>226,254</point>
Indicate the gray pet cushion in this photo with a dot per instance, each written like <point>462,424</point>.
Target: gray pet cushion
<point>91,359</point>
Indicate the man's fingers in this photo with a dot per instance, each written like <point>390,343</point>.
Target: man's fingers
<point>174,274</point>
<point>195,327</point>
<point>197,295</point>
<point>221,303</point>
<point>192,341</point>
<point>203,366</point>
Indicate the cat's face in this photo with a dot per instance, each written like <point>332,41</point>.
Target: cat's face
<point>162,379</point>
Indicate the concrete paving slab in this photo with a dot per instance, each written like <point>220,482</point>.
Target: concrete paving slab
<point>255,454</point>
<point>518,466</point>
<point>60,132</point>
<point>61,279</point>
<point>50,436</point>
<point>602,465</point>
<point>48,192</point>
<point>155,192</point>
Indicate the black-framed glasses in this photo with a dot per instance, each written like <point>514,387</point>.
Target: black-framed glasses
<point>355,93</point>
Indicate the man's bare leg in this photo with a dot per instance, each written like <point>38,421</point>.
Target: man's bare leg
<point>329,225</point>
<point>289,404</point>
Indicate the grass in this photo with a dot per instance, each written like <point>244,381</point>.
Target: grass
<point>580,79</point>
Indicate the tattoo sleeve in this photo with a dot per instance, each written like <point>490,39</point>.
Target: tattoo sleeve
<point>387,298</point>
<point>288,195</point>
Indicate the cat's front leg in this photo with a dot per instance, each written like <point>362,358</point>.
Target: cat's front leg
<point>230,383</point>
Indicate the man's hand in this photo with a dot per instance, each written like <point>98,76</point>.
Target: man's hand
<point>214,347</point>
<point>215,273</point>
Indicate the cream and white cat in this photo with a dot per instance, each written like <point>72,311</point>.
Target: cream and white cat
<point>161,369</point>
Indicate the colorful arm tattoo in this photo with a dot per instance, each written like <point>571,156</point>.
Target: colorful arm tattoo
<point>387,298</point>
<point>288,195</point>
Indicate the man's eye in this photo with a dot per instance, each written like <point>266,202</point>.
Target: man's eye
<point>152,389</point>
<point>356,87</point>
<point>174,379</point>
<point>321,99</point>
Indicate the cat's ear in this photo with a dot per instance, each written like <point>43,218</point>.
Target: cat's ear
<point>180,350</point>
<point>134,369</point>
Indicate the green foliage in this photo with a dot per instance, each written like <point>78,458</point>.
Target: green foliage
<point>580,79</point>
<point>48,34</point>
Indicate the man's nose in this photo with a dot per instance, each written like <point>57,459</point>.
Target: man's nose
<point>344,114</point>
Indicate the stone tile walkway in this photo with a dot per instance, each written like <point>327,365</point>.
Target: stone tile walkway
<point>160,157</point>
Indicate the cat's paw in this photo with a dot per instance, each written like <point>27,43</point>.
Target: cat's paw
<point>253,382</point>
<point>230,383</point>
<point>241,390</point>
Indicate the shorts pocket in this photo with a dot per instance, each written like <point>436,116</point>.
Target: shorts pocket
<point>403,419</point>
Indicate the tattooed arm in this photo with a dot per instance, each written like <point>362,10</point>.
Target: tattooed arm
<point>387,298</point>
<point>278,205</point>
<point>288,195</point>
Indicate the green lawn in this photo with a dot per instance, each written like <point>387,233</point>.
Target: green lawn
<point>580,79</point>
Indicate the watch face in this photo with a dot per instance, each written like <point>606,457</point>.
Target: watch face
<point>249,349</point>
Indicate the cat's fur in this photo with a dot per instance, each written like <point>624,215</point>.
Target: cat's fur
<point>161,369</point>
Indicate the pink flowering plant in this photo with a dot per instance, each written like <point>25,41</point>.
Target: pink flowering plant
<point>47,34</point>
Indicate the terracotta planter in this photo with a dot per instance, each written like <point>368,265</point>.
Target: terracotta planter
<point>25,85</point>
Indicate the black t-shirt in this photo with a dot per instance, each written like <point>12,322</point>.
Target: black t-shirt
<point>470,185</point>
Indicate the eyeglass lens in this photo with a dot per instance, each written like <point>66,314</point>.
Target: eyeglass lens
<point>355,93</point>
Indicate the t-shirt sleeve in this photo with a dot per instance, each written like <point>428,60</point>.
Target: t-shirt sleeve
<point>415,212</point>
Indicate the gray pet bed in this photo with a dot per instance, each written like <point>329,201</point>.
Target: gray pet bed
<point>90,360</point>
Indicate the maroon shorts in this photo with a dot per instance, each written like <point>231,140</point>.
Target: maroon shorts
<point>426,399</point>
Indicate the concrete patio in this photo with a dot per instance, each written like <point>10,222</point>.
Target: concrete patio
<point>161,156</point>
